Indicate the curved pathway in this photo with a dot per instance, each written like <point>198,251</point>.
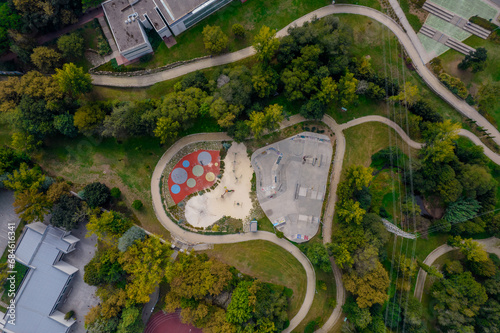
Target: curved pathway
<point>412,50</point>
<point>491,245</point>
<point>193,238</point>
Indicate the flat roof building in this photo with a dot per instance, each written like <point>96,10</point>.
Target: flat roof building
<point>46,283</point>
<point>128,20</point>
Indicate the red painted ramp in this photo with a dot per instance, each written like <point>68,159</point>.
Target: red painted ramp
<point>169,323</point>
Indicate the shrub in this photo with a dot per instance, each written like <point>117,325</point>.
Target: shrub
<point>454,84</point>
<point>69,314</point>
<point>103,47</point>
<point>129,237</point>
<point>146,58</point>
<point>137,204</point>
<point>484,23</point>
<point>312,325</point>
<point>238,30</point>
<point>116,193</point>
<point>280,234</point>
<point>96,194</point>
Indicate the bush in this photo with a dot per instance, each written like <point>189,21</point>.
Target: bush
<point>129,237</point>
<point>103,47</point>
<point>146,58</point>
<point>69,314</point>
<point>137,204</point>
<point>116,193</point>
<point>280,234</point>
<point>312,325</point>
<point>454,84</point>
<point>238,30</point>
<point>484,23</point>
<point>96,194</point>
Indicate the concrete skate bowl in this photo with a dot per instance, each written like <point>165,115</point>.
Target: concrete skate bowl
<point>291,177</point>
<point>162,322</point>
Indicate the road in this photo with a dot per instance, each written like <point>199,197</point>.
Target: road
<point>491,245</point>
<point>406,40</point>
<point>194,238</point>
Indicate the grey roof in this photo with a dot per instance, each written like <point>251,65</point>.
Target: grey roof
<point>130,35</point>
<point>44,282</point>
<point>127,35</point>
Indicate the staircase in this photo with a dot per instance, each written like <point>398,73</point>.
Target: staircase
<point>445,39</point>
<point>456,20</point>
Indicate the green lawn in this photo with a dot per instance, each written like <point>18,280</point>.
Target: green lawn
<point>368,3</point>
<point>267,262</point>
<point>473,81</point>
<point>364,140</point>
<point>252,14</point>
<point>127,165</point>
<point>412,18</point>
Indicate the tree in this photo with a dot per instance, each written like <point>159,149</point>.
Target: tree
<point>423,109</point>
<point>104,268</point>
<point>361,318</point>
<point>458,300</point>
<point>462,210</point>
<point>473,251</point>
<point>72,45</point>
<point>24,179</point>
<point>34,118</point>
<point>409,95</point>
<point>487,97</point>
<point>350,211</point>
<point>328,91</point>
<point>369,289</point>
<point>475,59</point>
<point>268,119</point>
<point>57,190</point>
<point>313,109</point>
<point>108,225</point>
<point>31,205</point>
<point>215,40</point>
<point>88,118</point>
<point>11,159</point>
<point>238,30</point>
<point>341,254</point>
<point>239,310</point>
<point>347,89</point>
<point>194,80</point>
<point>65,124</point>
<point>454,84</point>
<point>25,142</point>
<point>476,180</point>
<point>440,139</point>
<point>73,80</point>
<point>266,44</point>
<point>166,129</point>
<point>147,262</point>
<point>45,59</point>
<point>318,255</point>
<point>129,237</point>
<point>86,4</point>
<point>264,80</point>
<point>137,204</point>
<point>116,193</point>
<point>96,194</point>
<point>68,213</point>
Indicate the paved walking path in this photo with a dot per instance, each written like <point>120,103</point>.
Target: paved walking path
<point>491,245</point>
<point>194,238</point>
<point>412,46</point>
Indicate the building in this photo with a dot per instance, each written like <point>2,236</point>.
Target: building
<point>254,226</point>
<point>129,19</point>
<point>46,283</point>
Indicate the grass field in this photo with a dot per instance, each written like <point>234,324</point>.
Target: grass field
<point>267,262</point>
<point>127,165</point>
<point>364,140</point>
<point>252,15</point>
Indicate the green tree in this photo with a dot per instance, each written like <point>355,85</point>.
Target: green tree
<point>66,213</point>
<point>129,237</point>
<point>361,318</point>
<point>73,80</point>
<point>45,59</point>
<point>369,289</point>
<point>86,4</point>
<point>25,179</point>
<point>31,205</point>
<point>96,194</point>
<point>11,159</point>
<point>266,44</point>
<point>137,204</point>
<point>239,310</point>
<point>108,225</point>
<point>440,139</point>
<point>65,123</point>
<point>264,80</point>
<point>215,40</point>
<point>350,211</point>
<point>166,129</point>
<point>104,268</point>
<point>147,263</point>
<point>475,59</point>
<point>318,255</point>
<point>313,109</point>
<point>238,30</point>
<point>72,45</point>
<point>462,210</point>
<point>328,91</point>
<point>409,95</point>
<point>341,254</point>
<point>88,118</point>
<point>347,89</point>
